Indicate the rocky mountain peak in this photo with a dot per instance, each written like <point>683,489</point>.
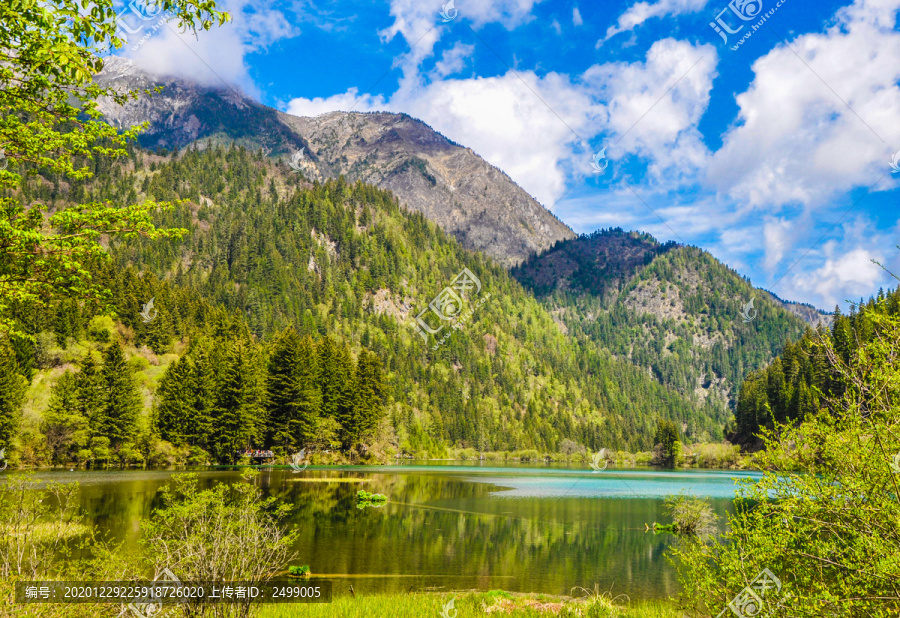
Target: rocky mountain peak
<point>448,183</point>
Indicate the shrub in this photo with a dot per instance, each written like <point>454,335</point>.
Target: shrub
<point>718,455</point>
<point>825,516</point>
<point>225,533</point>
<point>101,328</point>
<point>691,516</point>
<point>32,532</point>
<point>527,455</point>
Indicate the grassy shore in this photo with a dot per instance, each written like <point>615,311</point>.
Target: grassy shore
<point>472,604</point>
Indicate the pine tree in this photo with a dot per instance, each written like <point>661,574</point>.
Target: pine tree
<point>157,333</point>
<point>63,425</point>
<point>328,376</point>
<point>668,442</point>
<point>308,404</point>
<point>89,393</point>
<point>175,413</point>
<point>368,402</point>
<point>842,335</point>
<point>204,381</point>
<point>282,389</point>
<point>12,391</point>
<point>236,409</point>
<point>342,382</point>
<point>122,400</point>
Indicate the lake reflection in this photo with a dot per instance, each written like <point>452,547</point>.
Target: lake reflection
<point>453,527</point>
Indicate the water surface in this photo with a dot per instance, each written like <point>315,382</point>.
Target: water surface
<point>453,527</point>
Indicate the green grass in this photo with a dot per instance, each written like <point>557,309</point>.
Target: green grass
<point>470,605</point>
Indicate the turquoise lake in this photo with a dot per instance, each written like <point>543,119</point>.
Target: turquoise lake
<point>452,526</point>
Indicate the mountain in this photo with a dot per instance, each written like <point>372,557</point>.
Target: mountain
<point>670,312</point>
<point>592,263</point>
<point>674,311</point>
<point>450,184</point>
<point>266,250</point>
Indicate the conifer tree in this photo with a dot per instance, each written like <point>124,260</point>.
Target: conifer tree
<point>283,390</point>
<point>122,400</point>
<point>12,391</point>
<point>204,381</point>
<point>342,383</point>
<point>668,442</point>
<point>174,418</point>
<point>309,402</point>
<point>294,399</point>
<point>63,425</point>
<point>157,333</point>
<point>368,402</point>
<point>236,410</point>
<point>89,393</point>
<point>328,376</point>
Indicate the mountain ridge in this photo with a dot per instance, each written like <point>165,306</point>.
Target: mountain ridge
<point>468,197</point>
<point>673,310</point>
<point>657,306</point>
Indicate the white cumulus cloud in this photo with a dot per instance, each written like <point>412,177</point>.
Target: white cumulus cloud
<point>809,129</point>
<point>640,12</point>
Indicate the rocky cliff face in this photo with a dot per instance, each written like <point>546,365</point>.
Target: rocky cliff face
<point>809,314</point>
<point>448,183</point>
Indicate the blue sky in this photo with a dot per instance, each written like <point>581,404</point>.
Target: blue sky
<point>771,150</point>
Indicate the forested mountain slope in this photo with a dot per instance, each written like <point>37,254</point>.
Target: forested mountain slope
<point>454,187</point>
<point>675,311</point>
<point>802,380</point>
<point>270,250</point>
